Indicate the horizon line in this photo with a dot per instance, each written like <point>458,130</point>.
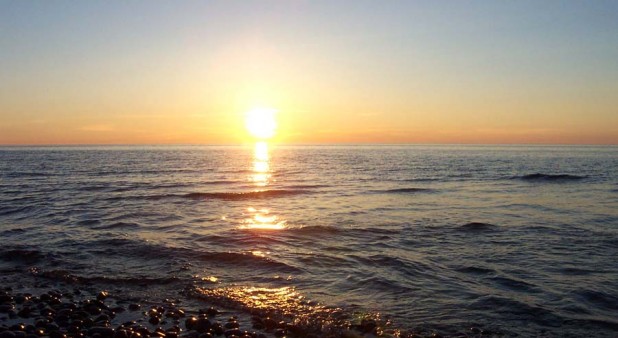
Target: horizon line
<point>297,144</point>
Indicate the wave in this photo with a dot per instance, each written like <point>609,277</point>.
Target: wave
<point>308,186</point>
<point>134,248</point>
<point>17,174</point>
<point>315,229</point>
<point>244,195</point>
<point>513,284</point>
<point>549,177</point>
<point>28,256</point>
<point>14,210</point>
<point>229,196</point>
<point>599,299</point>
<point>518,309</point>
<point>67,277</point>
<point>118,225</point>
<point>477,226</point>
<point>475,270</point>
<point>420,179</point>
<point>404,191</point>
<point>246,259</point>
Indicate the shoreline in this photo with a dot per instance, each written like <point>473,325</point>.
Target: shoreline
<point>43,307</point>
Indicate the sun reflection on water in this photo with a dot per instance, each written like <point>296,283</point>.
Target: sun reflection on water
<point>261,178</point>
<point>261,166</point>
<point>261,219</point>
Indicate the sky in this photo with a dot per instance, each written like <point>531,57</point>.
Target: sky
<point>187,72</point>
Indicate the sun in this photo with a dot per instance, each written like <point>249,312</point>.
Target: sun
<point>260,122</point>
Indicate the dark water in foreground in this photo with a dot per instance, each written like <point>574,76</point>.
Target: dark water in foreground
<point>520,240</point>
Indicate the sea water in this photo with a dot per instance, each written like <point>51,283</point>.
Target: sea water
<point>517,239</point>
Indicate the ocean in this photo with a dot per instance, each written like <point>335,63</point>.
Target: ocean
<point>513,240</point>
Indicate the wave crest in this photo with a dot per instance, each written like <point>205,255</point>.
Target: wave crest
<point>244,195</point>
<point>549,177</point>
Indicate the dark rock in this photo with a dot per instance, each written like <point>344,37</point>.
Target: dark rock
<point>92,309</point>
<point>18,327</point>
<point>104,332</point>
<point>102,295</point>
<point>191,323</point>
<point>212,312</point>
<point>157,334</point>
<point>57,334</point>
<point>24,312</point>
<point>88,322</point>
<point>51,327</point>
<point>202,325</point>
<point>233,332</point>
<point>5,308</point>
<point>102,318</point>
<point>117,309</point>
<point>269,323</point>
<point>218,328</point>
<point>7,334</point>
<point>134,307</point>
<point>232,325</point>
<point>368,326</point>
<point>121,333</point>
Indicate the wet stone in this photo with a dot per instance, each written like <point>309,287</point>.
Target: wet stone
<point>118,309</point>
<point>5,308</point>
<point>232,325</point>
<point>102,295</point>
<point>233,332</point>
<point>191,323</point>
<point>202,325</point>
<point>102,330</point>
<point>18,327</point>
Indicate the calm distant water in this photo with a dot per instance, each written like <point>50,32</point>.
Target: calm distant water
<point>515,239</point>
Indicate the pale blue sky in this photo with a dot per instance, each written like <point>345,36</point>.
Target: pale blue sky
<point>453,60</point>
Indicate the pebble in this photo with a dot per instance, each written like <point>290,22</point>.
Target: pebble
<point>76,315</point>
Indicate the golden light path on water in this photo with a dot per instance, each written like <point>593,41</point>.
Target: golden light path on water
<point>275,305</point>
<point>261,218</point>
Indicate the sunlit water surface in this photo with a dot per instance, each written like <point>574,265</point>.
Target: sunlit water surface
<point>517,239</point>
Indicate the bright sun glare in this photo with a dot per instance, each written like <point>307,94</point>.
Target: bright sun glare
<point>260,122</point>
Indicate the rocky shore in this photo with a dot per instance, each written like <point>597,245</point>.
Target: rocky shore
<point>37,305</point>
<point>79,314</point>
